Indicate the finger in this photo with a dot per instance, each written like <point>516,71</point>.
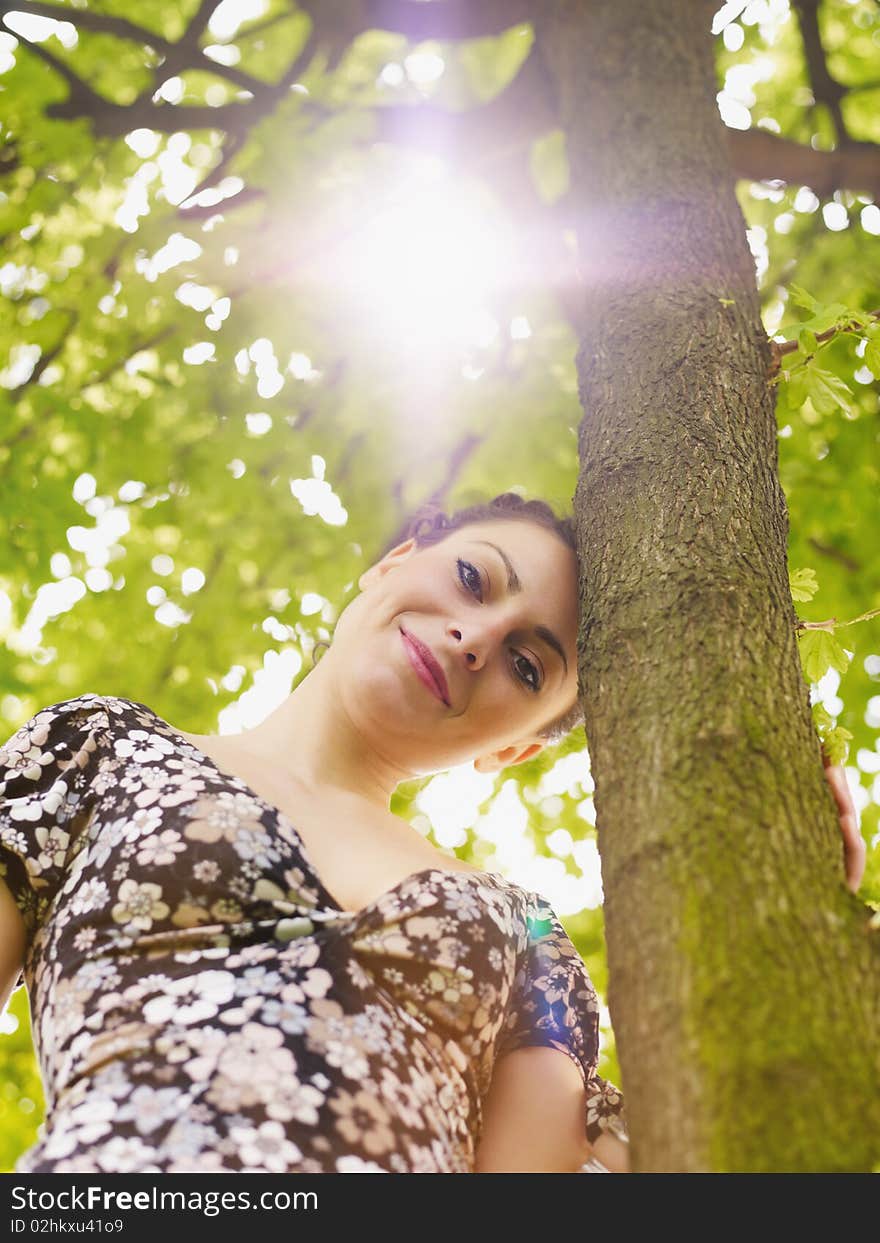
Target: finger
<point>854,852</point>
<point>854,849</point>
<point>836,778</point>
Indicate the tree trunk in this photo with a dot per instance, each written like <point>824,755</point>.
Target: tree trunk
<point>744,985</point>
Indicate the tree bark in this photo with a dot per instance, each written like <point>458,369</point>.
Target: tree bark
<point>743,975</point>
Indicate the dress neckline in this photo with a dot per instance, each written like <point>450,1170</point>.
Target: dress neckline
<point>419,874</point>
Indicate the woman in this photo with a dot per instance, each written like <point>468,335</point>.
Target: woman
<point>239,959</point>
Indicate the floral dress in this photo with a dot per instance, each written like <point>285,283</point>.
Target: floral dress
<point>201,1002</point>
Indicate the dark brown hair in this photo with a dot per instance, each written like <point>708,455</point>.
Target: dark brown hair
<point>430,525</point>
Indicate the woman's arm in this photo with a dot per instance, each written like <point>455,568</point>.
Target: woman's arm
<point>534,1116</point>
<point>12,942</point>
<point>612,1152</point>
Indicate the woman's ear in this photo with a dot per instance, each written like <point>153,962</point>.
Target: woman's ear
<point>516,753</point>
<point>392,558</point>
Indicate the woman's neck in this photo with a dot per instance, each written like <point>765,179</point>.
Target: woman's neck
<point>310,742</point>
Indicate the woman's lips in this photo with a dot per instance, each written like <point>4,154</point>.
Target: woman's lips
<point>420,658</point>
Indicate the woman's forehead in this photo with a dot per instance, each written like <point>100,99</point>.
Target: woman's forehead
<point>530,541</point>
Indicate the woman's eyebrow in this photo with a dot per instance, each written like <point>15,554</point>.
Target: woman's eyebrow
<point>515,586</point>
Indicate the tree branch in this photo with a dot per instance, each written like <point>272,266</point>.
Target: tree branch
<point>418,20</point>
<point>47,358</point>
<point>186,50</point>
<point>260,27</point>
<point>826,90</point>
<point>82,99</point>
<point>204,211</point>
<point>101,377</point>
<point>199,22</point>
<point>295,70</point>
<point>523,112</point>
<point>452,19</point>
<point>269,98</point>
<point>454,466</point>
<point>781,348</point>
<point>827,550</point>
<point>178,56</point>
<point>85,19</point>
<point>512,120</point>
<point>112,120</point>
<point>757,155</point>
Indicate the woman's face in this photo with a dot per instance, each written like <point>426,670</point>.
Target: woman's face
<point>495,603</point>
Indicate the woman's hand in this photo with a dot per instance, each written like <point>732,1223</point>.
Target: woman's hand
<point>848,818</point>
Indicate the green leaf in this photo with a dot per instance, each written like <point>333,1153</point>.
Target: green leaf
<point>800,297</point>
<point>793,391</point>
<point>872,357</point>
<point>548,163</point>
<point>807,341</point>
<point>803,584</point>
<point>832,315</point>
<point>827,391</point>
<point>492,63</point>
<point>794,358</point>
<point>836,743</point>
<point>834,738</point>
<point>820,651</point>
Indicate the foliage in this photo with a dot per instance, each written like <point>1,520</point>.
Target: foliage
<point>210,409</point>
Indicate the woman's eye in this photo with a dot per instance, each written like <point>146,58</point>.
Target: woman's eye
<point>529,669</point>
<point>470,577</point>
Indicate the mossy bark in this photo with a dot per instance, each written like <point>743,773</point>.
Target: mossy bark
<point>744,978</point>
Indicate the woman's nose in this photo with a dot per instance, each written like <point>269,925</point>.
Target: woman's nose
<point>475,649</point>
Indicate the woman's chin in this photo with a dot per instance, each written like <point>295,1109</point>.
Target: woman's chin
<point>397,691</point>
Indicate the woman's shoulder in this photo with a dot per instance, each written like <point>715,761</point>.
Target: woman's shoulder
<point>53,723</point>
<point>90,717</point>
<point>114,711</point>
<point>89,703</point>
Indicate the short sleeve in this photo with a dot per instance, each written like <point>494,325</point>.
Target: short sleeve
<point>554,1003</point>
<point>605,1110</point>
<point>45,771</point>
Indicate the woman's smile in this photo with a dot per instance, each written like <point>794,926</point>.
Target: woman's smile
<point>420,664</point>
